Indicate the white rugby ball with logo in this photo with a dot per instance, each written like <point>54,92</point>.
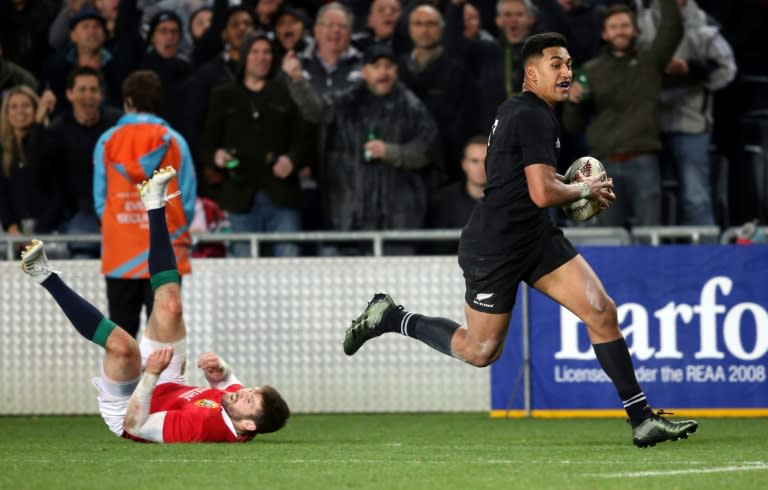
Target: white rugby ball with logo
<point>583,209</point>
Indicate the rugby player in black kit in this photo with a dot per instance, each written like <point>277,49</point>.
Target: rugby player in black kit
<point>510,237</point>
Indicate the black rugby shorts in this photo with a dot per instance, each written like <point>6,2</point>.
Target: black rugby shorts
<point>492,281</point>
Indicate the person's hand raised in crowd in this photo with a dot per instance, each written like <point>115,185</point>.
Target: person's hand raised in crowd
<point>377,149</point>
<point>282,167</point>
<point>75,6</point>
<point>45,107</point>
<point>676,67</point>
<point>292,66</point>
<point>576,92</point>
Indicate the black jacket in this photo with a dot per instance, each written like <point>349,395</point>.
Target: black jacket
<point>174,73</point>
<point>372,195</point>
<point>449,94</point>
<point>136,53</point>
<point>59,65</point>
<point>69,157</point>
<point>196,92</point>
<point>279,129</point>
<point>27,192</point>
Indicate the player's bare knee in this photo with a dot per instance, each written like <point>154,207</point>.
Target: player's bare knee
<point>608,313</point>
<point>604,317</point>
<point>168,305</point>
<point>121,345</point>
<point>482,354</point>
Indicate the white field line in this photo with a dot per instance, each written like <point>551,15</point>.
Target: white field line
<point>364,461</point>
<point>736,466</point>
<point>746,466</point>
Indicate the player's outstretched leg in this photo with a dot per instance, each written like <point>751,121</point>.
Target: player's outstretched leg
<point>657,429</point>
<point>382,316</point>
<point>165,324</point>
<point>87,320</point>
<point>162,261</point>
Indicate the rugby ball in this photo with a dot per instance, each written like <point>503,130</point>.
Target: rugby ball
<point>583,209</point>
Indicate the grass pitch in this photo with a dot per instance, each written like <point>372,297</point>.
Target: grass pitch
<point>411,451</point>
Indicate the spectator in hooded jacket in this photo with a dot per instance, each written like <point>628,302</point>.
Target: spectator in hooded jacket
<point>159,53</point>
<point>229,25</point>
<point>255,142</point>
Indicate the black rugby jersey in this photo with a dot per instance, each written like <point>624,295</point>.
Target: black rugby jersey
<point>525,132</point>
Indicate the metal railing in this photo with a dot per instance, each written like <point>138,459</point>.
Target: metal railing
<point>694,234</point>
<point>578,235</point>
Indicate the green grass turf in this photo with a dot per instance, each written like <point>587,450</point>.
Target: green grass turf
<point>441,451</point>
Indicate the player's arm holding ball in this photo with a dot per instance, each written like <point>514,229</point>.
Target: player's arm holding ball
<point>547,188</point>
<point>600,188</point>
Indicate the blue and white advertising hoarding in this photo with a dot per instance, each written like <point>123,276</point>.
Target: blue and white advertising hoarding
<point>695,319</point>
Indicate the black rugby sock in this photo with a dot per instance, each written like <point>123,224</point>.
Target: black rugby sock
<point>162,261</point>
<point>616,362</point>
<point>433,331</point>
<point>86,319</point>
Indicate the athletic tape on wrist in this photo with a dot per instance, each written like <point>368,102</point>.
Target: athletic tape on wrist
<point>585,190</point>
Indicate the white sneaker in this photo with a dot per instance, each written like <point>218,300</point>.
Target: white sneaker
<point>152,191</point>
<point>34,262</point>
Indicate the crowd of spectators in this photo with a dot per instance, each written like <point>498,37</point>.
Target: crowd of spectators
<point>370,114</point>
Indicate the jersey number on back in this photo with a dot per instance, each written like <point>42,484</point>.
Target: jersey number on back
<point>493,131</point>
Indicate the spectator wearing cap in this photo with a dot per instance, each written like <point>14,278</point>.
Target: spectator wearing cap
<point>291,32</point>
<point>159,53</point>
<point>255,121</point>
<point>58,34</point>
<point>442,83</point>
<point>87,32</point>
<point>381,138</point>
<point>185,9</point>
<point>230,25</point>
